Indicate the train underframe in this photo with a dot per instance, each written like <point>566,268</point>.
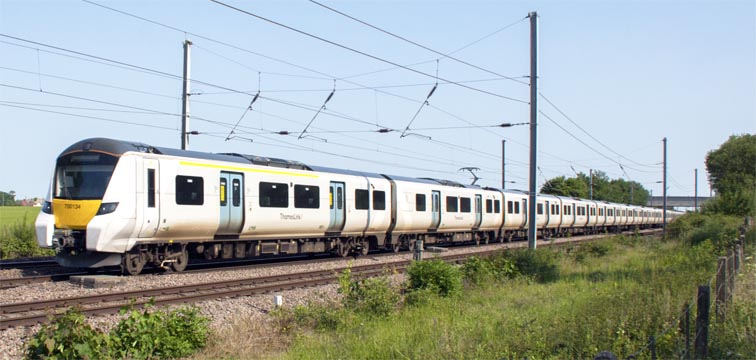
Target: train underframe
<point>71,252</point>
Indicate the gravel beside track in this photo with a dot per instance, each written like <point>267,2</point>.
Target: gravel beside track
<point>220,311</point>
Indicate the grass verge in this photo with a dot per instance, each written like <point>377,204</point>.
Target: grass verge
<point>609,296</point>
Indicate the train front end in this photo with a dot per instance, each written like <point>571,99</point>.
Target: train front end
<point>83,212</point>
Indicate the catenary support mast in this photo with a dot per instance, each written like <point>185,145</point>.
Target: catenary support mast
<point>532,231</point>
<point>185,98</point>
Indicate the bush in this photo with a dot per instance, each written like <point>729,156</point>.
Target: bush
<point>19,240</point>
<point>68,337</point>
<point>141,335</point>
<point>695,228</point>
<point>371,296</point>
<point>539,264</point>
<point>481,270</point>
<point>155,335</point>
<point>593,249</point>
<point>435,276</point>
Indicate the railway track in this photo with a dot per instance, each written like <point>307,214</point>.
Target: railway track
<point>27,263</point>
<point>34,312</point>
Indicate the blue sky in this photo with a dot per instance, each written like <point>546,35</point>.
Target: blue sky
<point>628,73</point>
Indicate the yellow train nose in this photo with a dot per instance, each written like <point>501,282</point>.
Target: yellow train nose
<point>74,214</point>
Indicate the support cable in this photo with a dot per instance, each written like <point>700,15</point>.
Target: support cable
<point>444,56</point>
<point>362,52</point>
<point>322,107</point>
<point>404,133</point>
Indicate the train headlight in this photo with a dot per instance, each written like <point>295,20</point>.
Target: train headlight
<point>47,208</point>
<point>107,208</point>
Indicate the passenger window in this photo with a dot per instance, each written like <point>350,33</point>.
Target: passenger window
<point>464,205</point>
<point>497,206</point>
<point>451,204</point>
<point>236,192</point>
<point>489,206</point>
<point>151,188</point>
<point>419,202</point>
<point>510,208</point>
<point>274,195</point>
<point>361,199</point>
<point>339,198</point>
<point>379,200</point>
<point>189,190</point>
<point>539,210</point>
<point>223,198</point>
<point>307,197</point>
<point>517,207</point>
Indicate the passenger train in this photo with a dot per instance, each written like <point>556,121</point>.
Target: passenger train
<point>124,203</point>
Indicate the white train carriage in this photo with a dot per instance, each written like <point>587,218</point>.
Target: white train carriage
<point>593,221</point>
<point>114,202</point>
<point>515,213</point>
<point>440,211</point>
<point>548,216</point>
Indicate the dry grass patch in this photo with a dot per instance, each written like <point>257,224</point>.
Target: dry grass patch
<point>248,338</point>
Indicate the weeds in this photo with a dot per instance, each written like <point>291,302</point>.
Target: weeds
<point>434,277</point>
<point>140,335</point>
<point>19,240</point>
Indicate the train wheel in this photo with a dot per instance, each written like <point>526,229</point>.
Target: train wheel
<point>181,261</point>
<point>365,248</point>
<point>344,249</point>
<point>396,247</point>
<point>133,263</point>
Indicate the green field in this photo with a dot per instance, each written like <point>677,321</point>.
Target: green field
<point>13,214</point>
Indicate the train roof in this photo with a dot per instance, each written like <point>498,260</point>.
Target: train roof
<point>120,147</point>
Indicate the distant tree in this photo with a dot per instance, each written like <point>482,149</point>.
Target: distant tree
<point>614,190</point>
<point>8,198</point>
<point>732,174</point>
<point>565,187</point>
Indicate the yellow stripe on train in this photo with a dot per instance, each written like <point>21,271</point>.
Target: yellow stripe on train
<point>248,169</point>
<point>74,214</point>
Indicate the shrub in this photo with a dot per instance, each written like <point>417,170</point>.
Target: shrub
<point>68,337</point>
<point>371,296</point>
<point>593,249</point>
<point>481,270</point>
<point>696,228</point>
<point>18,240</point>
<point>151,334</point>
<point>435,276</point>
<point>319,317</point>
<point>539,264</point>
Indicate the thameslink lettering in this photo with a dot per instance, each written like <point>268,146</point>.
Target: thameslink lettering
<point>291,216</point>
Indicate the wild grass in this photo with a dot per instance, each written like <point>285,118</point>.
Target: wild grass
<point>10,215</point>
<point>17,235</point>
<point>608,296</point>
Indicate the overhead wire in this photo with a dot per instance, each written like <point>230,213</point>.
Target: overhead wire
<point>295,65</point>
<point>152,71</point>
<point>364,53</point>
<point>586,132</point>
<point>90,117</point>
<point>445,56</point>
<point>451,53</point>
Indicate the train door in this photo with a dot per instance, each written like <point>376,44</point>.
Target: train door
<point>548,214</point>
<point>435,209</point>
<point>336,196</point>
<point>524,212</point>
<point>231,203</point>
<point>151,209</point>
<point>478,211</point>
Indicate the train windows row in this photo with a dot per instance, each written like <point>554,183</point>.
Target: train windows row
<point>513,207</point>
<point>493,206</point>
